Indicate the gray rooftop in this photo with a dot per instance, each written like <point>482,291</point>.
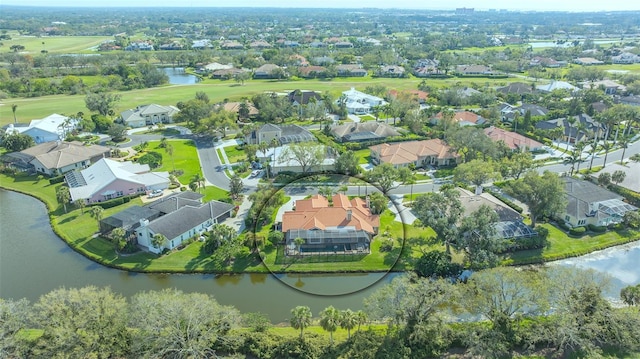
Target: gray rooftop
<point>188,217</point>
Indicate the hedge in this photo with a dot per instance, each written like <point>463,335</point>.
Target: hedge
<point>116,201</point>
<point>577,231</point>
<point>597,229</point>
<point>58,179</point>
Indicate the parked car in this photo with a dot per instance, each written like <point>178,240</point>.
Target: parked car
<point>255,173</point>
<point>155,193</point>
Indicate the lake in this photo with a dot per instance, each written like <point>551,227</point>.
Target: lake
<point>177,76</point>
<point>34,261</point>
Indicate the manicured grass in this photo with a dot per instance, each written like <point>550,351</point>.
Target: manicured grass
<point>54,44</point>
<point>363,155</point>
<point>185,158</point>
<point>235,154</point>
<point>39,107</point>
<point>563,246</point>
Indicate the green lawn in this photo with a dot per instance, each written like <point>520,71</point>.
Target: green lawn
<point>185,158</point>
<point>235,154</point>
<point>363,155</point>
<point>217,90</point>
<point>54,44</point>
<point>563,246</point>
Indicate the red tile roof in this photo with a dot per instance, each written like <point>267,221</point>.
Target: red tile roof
<point>511,139</point>
<point>411,151</point>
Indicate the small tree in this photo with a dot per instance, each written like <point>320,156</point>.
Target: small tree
<point>235,186</point>
<point>300,318</point>
<point>348,321</point>
<point>275,237</point>
<point>63,196</point>
<point>329,320</point>
<point>96,213</point>
<point>618,176</point>
<point>158,240</point>
<point>630,295</point>
<point>361,318</point>
<point>14,107</point>
<point>299,242</point>
<point>604,179</point>
<point>81,204</point>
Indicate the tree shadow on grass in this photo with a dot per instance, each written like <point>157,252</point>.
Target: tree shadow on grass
<point>68,219</point>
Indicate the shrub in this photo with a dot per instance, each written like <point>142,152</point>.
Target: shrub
<point>563,226</point>
<point>597,229</point>
<point>152,158</point>
<point>386,245</point>
<point>577,231</point>
<point>58,179</point>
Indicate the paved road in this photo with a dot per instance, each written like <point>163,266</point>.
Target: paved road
<point>210,164</point>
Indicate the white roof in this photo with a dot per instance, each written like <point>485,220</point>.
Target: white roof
<point>52,123</point>
<point>106,171</point>
<point>557,85</point>
<point>282,161</point>
<point>355,95</point>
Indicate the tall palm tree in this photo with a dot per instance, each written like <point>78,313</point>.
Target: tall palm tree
<point>578,149</point>
<point>63,196</point>
<point>348,321</point>
<point>571,159</point>
<point>606,146</point>
<point>300,318</point>
<point>361,317</point>
<point>330,320</point>
<point>624,143</point>
<point>14,107</point>
<point>592,152</point>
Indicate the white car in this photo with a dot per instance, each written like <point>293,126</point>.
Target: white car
<point>255,173</point>
<point>155,193</point>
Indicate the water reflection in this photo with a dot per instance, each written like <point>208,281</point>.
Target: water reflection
<point>177,76</point>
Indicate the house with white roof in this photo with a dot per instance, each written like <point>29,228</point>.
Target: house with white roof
<point>557,85</point>
<point>51,128</point>
<point>107,179</point>
<point>283,159</point>
<point>360,103</point>
<point>148,115</point>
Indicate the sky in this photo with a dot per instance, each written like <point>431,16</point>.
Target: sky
<point>539,5</point>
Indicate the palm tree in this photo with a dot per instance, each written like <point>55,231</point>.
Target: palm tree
<point>197,181</point>
<point>63,196</point>
<point>618,176</point>
<point>572,159</point>
<point>361,317</point>
<point>592,152</point>
<point>348,321</point>
<point>578,149</point>
<point>80,203</point>
<point>169,149</point>
<point>624,143</point>
<point>14,107</point>
<point>158,240</point>
<point>329,321</point>
<point>606,146</point>
<point>96,213</point>
<point>572,121</point>
<point>299,241</point>
<point>300,318</point>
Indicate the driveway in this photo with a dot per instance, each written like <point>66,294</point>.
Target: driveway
<point>212,168</point>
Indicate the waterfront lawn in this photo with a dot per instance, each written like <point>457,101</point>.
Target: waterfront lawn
<point>562,245</point>
<point>37,186</point>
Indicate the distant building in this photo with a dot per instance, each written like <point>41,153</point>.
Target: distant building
<point>147,115</point>
<point>51,128</point>
<point>360,103</point>
<point>363,131</point>
<point>283,134</point>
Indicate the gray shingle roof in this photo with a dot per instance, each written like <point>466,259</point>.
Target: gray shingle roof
<point>188,217</point>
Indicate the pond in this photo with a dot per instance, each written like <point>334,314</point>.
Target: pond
<point>177,76</point>
<point>34,261</point>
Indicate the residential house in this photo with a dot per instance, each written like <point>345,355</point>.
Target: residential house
<point>391,71</point>
<point>546,62</point>
<point>174,45</point>
<point>235,108</point>
<point>214,66</point>
<point>588,61</point>
<point>303,97</point>
<point>632,174</point>
<point>610,87</point>
<point>434,152</point>
<point>418,96</point>
<point>283,133</point>
<point>128,219</point>
<point>590,204</point>
<point>515,141</point>
<point>466,92</point>
<point>351,70</point>
<point>510,223</point>
<point>427,68</point>
<point>360,103</point>
<point>57,158</point>
<point>107,179</point>
<point>317,44</point>
<point>283,160</point>
<point>201,44</point>
<point>51,128</point>
<point>576,128</point>
<point>147,115</point>
<point>231,45</point>
<point>226,74</point>
<point>633,100</point>
<point>557,85</point>
<point>343,45</point>
<point>312,71</point>
<point>625,58</point>
<point>139,46</point>
<point>474,70</point>
<point>598,107</point>
<point>518,88</point>
<point>462,118</point>
<point>322,60</point>
<point>260,45</point>
<point>298,60</point>
<point>267,71</point>
<point>345,226</point>
<point>536,110</point>
<point>180,225</point>
<point>363,131</point>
